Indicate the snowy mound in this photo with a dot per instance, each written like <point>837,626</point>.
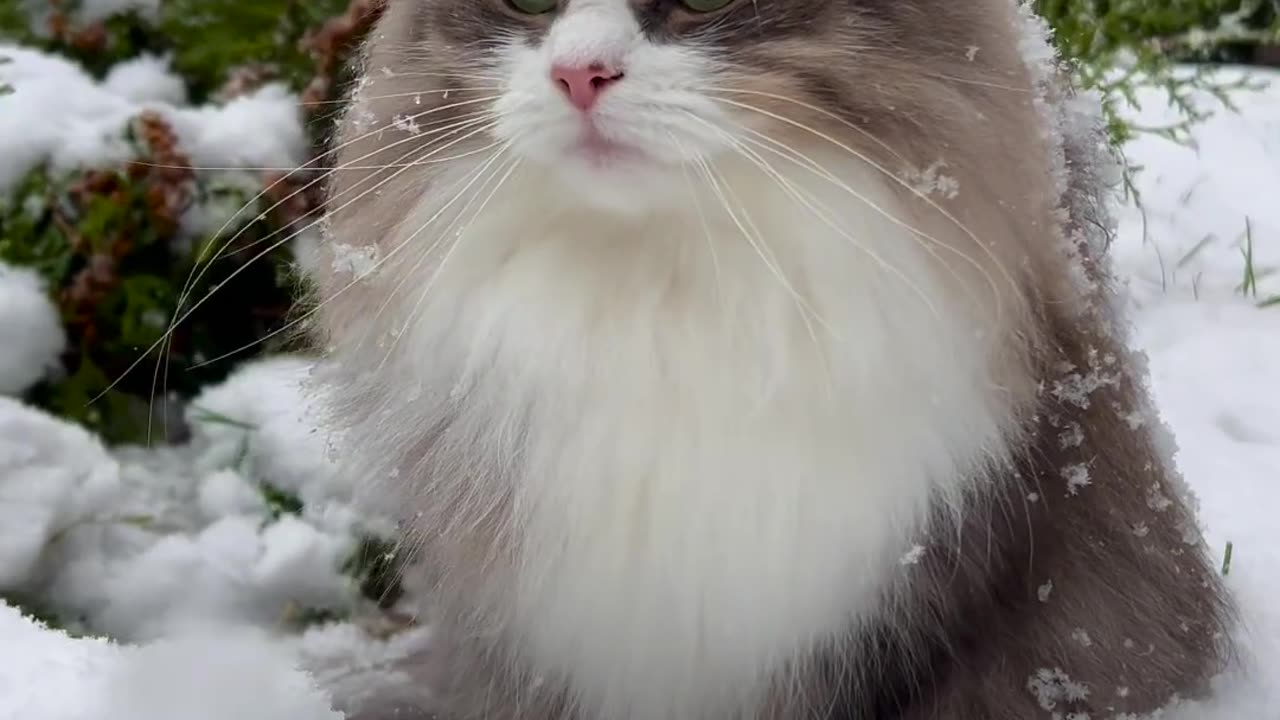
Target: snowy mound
<point>31,335</point>
<point>58,114</point>
<point>46,675</point>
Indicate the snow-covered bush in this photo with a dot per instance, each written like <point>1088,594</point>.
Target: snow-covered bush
<point>1123,47</point>
<point>146,147</point>
<point>147,151</point>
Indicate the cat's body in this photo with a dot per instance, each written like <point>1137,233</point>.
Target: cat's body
<point>753,363</point>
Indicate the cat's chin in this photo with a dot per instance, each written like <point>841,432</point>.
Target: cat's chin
<point>619,179</point>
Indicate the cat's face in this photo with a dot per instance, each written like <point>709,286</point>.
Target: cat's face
<point>622,97</point>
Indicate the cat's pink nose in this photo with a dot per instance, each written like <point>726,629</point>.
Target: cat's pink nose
<point>583,84</point>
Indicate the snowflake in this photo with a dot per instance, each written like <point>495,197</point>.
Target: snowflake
<point>1044,591</point>
<point>1077,476</point>
<point>913,555</point>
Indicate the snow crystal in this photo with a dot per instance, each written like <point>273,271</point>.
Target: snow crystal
<point>1051,687</point>
<point>406,123</point>
<point>932,180</point>
<point>1044,591</point>
<point>1071,436</point>
<point>358,261</point>
<point>1077,477</point>
<point>1075,387</point>
<point>31,334</point>
<point>1081,636</point>
<point>912,557</point>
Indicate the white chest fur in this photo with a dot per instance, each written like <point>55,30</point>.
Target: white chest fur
<point>732,441</point>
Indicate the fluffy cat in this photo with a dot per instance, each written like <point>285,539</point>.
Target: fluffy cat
<point>754,359</point>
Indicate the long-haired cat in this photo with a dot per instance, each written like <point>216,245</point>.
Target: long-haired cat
<point>747,359</point>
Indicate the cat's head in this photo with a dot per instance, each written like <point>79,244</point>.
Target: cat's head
<point>620,98</point>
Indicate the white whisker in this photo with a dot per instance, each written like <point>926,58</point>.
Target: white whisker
<point>178,320</point>
<point>445,261</point>
<point>924,197</point>
<point>809,203</point>
<point>312,311</point>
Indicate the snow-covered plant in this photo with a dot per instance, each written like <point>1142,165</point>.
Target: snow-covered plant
<point>118,228</point>
<point>1119,47</point>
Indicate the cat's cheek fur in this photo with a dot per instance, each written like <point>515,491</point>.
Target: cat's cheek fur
<point>701,469</point>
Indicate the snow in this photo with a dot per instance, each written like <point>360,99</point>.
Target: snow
<point>1214,353</point>
<point>200,675</point>
<point>60,115</point>
<point>178,555</point>
<point>176,551</point>
<point>31,335</point>
<point>141,541</point>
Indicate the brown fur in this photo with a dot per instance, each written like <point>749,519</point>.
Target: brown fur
<point>1106,585</point>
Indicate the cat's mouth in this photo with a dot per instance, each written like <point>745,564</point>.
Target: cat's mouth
<point>600,151</point>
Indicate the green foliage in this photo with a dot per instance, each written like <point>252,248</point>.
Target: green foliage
<point>207,39</point>
<point>114,256</point>
<point>1121,46</point>
<point>376,565</point>
<point>118,272</point>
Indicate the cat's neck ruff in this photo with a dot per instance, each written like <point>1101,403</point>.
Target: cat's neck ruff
<point>736,421</point>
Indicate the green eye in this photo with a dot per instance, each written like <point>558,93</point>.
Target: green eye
<point>705,6</point>
<point>534,7</point>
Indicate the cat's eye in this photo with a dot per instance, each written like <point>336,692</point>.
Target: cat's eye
<point>706,6</point>
<point>534,7</point>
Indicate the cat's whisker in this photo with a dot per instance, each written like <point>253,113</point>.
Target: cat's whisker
<point>180,318</point>
<point>469,179</point>
<point>798,195</point>
<point>331,151</point>
<point>702,216</point>
<point>444,261</point>
<point>422,160</point>
<point>716,183</point>
<point>980,83</point>
<point>461,125</point>
<point>446,92</point>
<point>797,157</point>
<point>921,195</point>
<point>164,342</point>
<point>805,309</point>
<point>451,123</point>
<point>202,264</point>
<point>807,106</point>
<point>403,74</point>
<point>305,316</point>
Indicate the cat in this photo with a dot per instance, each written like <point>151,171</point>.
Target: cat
<point>754,359</point>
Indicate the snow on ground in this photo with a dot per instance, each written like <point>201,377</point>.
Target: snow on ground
<point>46,675</point>
<point>26,311</point>
<point>1215,354</point>
<point>179,555</point>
